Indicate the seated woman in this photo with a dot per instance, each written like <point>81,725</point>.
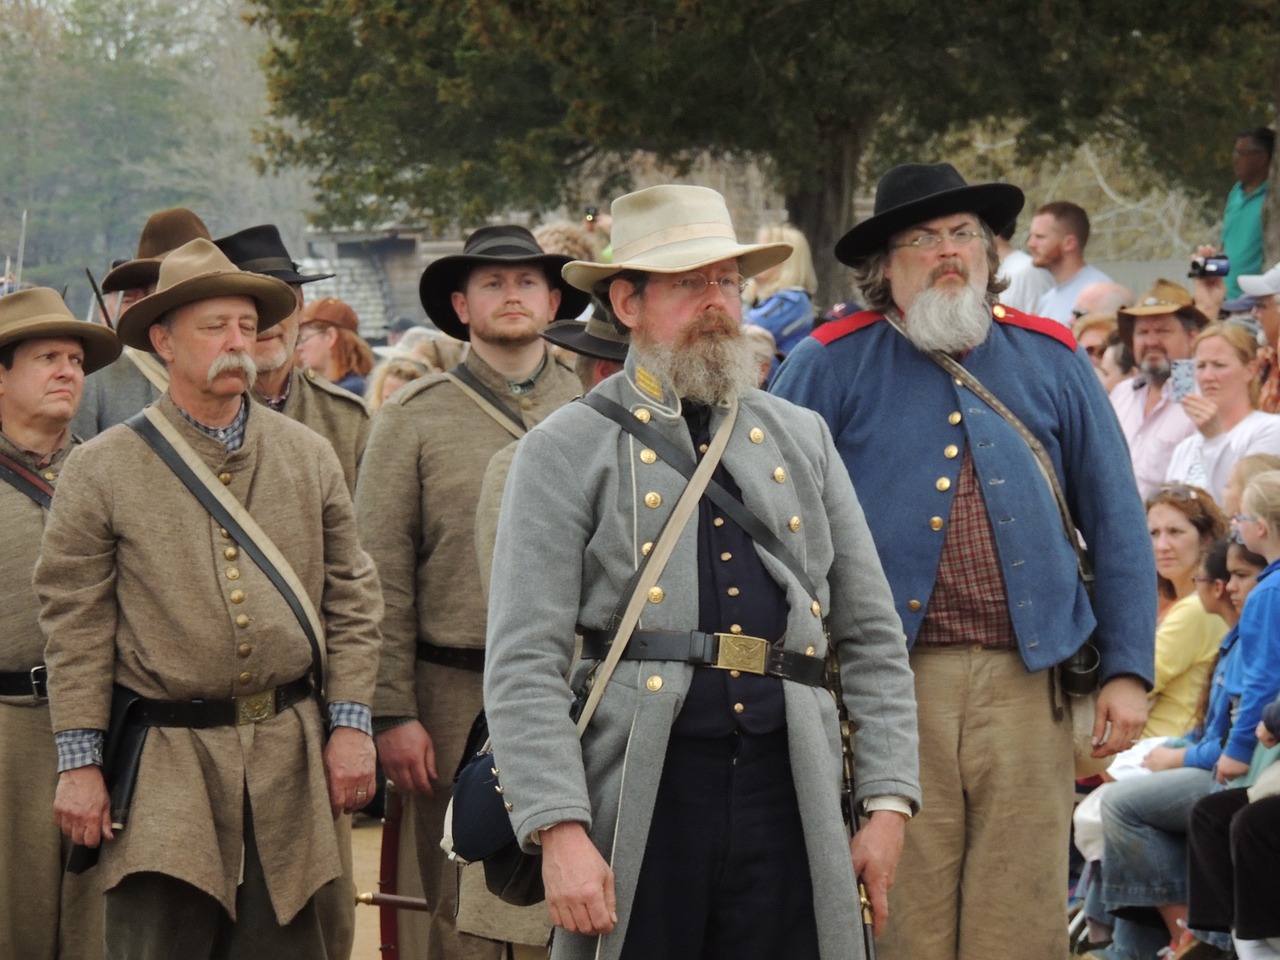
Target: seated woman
<point>1229,424</point>
<point>1144,817</point>
<point>1183,521</point>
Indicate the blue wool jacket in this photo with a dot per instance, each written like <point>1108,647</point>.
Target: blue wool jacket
<point>1260,655</point>
<point>902,424</point>
<point>1204,745</point>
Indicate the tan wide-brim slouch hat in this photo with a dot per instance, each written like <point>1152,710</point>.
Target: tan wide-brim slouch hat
<point>200,271</point>
<point>165,230</point>
<point>39,312</point>
<point>672,229</point>
<point>1164,297</point>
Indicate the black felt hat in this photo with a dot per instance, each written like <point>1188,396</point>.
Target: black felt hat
<point>916,192</point>
<point>508,245</point>
<point>260,250</point>
<point>596,337</point>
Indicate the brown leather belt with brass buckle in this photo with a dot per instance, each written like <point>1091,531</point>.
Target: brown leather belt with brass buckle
<point>721,651</point>
<point>25,683</point>
<point>235,711</point>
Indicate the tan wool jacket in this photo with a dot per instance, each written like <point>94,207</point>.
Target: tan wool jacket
<point>22,519</point>
<point>141,587</point>
<point>431,444</point>
<point>337,415</point>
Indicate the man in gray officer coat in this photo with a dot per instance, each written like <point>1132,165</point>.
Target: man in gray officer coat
<point>700,813</point>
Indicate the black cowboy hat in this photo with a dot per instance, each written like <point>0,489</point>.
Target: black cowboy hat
<point>260,250</point>
<point>597,338</point>
<point>503,245</point>
<point>915,192</point>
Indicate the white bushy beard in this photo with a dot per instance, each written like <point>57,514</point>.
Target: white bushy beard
<point>711,361</point>
<point>949,320</point>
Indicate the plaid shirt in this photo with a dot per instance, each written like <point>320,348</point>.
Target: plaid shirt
<point>969,603</point>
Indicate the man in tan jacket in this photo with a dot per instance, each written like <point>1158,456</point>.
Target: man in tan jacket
<point>45,353</point>
<point>432,441</point>
<point>230,832</point>
<point>282,384</point>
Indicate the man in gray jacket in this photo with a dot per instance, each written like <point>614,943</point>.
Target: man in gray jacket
<point>700,813</point>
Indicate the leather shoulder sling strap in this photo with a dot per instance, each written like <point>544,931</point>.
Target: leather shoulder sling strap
<point>651,568</point>
<point>677,459</point>
<point>161,436</point>
<point>1041,455</point>
<point>149,367</point>
<point>486,400</point>
<point>26,481</point>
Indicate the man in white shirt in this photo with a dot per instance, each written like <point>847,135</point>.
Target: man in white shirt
<point>1059,232</point>
<point>1158,330</point>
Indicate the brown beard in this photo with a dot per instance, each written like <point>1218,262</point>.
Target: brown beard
<point>710,362</point>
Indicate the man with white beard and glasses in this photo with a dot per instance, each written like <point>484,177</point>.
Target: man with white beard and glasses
<point>1159,329</point>
<point>975,549</point>
<point>699,815</point>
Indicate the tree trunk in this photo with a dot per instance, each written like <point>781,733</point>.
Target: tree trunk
<point>823,210</point>
<point>1271,210</point>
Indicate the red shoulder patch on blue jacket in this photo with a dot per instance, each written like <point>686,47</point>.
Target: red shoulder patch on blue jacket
<point>829,333</point>
<point>1050,328</point>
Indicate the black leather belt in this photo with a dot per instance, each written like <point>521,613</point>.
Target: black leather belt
<point>25,683</point>
<point>724,651</point>
<point>200,714</point>
<point>460,658</point>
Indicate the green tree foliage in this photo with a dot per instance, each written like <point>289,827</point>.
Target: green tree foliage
<point>448,111</point>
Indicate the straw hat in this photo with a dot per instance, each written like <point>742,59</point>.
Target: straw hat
<point>39,312</point>
<point>1164,297</point>
<point>672,229</point>
<point>200,271</point>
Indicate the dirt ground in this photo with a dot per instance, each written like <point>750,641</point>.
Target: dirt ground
<point>366,846</point>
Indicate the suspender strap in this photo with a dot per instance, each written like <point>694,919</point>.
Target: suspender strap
<point>168,445</point>
<point>486,400</point>
<point>149,367</point>
<point>25,481</point>
<point>678,460</point>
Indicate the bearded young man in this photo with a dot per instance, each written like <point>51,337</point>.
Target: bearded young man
<point>432,442</point>
<point>983,575</point>
<point>699,816</point>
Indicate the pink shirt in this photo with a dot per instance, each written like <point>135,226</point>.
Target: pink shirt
<point>1151,439</point>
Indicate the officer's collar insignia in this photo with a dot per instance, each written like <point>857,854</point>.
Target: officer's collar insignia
<point>647,382</point>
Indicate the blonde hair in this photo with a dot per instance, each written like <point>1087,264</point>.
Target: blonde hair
<point>566,239</point>
<point>1242,342</point>
<point>402,368</point>
<point>797,270</point>
<point>1090,320</point>
<point>1262,499</point>
<point>1247,468</point>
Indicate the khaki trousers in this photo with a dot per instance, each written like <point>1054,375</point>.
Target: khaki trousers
<point>448,701</point>
<point>44,914</point>
<point>984,870</point>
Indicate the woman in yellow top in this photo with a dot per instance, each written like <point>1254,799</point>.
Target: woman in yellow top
<point>1183,521</point>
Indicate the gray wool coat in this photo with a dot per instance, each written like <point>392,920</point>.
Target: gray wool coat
<point>578,508</point>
